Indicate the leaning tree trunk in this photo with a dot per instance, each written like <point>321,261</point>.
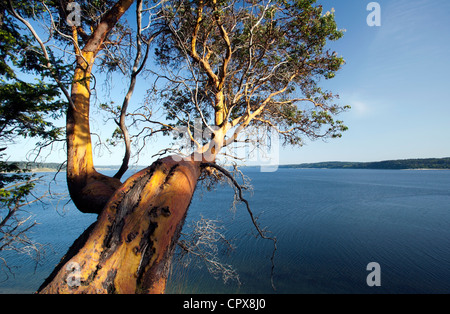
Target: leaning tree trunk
<point>129,248</point>
<point>89,190</point>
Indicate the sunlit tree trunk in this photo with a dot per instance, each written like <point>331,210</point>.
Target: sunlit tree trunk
<point>130,247</point>
<point>219,110</point>
<point>88,189</point>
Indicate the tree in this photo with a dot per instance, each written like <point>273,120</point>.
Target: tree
<point>233,65</point>
<point>26,109</point>
<point>255,63</point>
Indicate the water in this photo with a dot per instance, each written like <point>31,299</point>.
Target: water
<point>330,224</point>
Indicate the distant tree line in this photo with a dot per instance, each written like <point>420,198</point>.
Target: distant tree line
<point>30,166</point>
<point>428,163</point>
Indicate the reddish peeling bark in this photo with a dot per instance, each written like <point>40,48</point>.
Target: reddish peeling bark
<point>130,247</point>
<point>88,189</point>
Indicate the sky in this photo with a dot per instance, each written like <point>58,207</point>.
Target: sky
<point>396,79</point>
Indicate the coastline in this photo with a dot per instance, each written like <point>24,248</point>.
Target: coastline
<point>424,169</point>
<point>398,164</point>
<point>43,170</point>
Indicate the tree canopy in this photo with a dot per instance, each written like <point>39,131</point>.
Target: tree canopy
<point>258,63</point>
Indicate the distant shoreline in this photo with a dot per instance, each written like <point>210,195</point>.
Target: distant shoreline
<point>425,169</point>
<point>37,170</point>
<point>36,167</point>
<point>398,164</point>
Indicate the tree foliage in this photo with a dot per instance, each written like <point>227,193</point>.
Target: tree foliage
<point>254,63</point>
<point>30,102</point>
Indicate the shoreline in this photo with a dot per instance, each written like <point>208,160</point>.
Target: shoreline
<point>42,170</point>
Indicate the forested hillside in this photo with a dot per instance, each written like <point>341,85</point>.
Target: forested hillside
<point>428,163</point>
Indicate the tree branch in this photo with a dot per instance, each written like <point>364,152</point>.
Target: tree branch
<point>49,64</point>
<point>226,39</point>
<point>261,232</point>
<point>136,70</point>
<point>108,21</point>
<point>193,52</point>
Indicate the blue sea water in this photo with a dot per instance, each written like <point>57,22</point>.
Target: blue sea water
<point>329,224</point>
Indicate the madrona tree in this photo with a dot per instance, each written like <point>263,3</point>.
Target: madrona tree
<point>230,64</point>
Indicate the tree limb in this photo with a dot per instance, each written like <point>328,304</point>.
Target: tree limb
<point>226,39</point>
<point>261,232</point>
<point>108,21</point>
<point>49,64</point>
<point>136,70</point>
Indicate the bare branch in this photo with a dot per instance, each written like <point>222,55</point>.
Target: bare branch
<point>262,233</point>
<point>49,65</point>
<point>202,242</point>
<point>226,39</point>
<point>14,226</point>
<point>136,69</point>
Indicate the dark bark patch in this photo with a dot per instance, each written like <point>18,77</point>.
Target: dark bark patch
<point>131,236</point>
<point>145,239</point>
<point>171,173</point>
<point>108,284</point>
<point>158,211</point>
<point>165,211</point>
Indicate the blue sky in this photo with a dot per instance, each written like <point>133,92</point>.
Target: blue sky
<point>396,79</point>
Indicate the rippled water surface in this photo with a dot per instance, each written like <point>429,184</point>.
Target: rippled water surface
<point>330,224</point>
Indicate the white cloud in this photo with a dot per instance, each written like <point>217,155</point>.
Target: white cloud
<point>360,108</point>
<point>361,105</point>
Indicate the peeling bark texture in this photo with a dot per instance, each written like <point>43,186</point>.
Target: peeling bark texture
<point>88,189</point>
<point>130,247</point>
